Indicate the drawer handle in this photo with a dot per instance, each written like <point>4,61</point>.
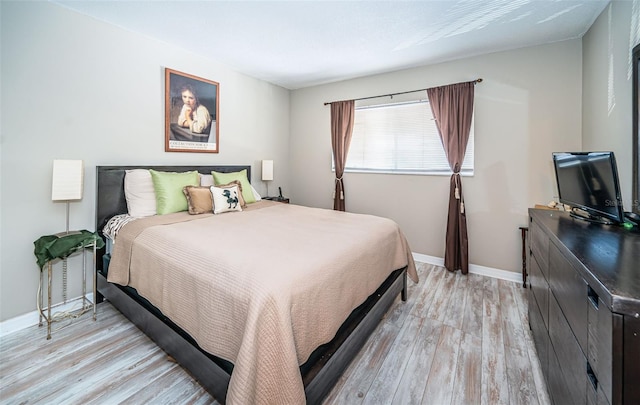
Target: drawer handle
<point>593,297</point>
<point>592,377</point>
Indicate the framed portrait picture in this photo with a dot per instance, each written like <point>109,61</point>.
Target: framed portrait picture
<point>191,113</point>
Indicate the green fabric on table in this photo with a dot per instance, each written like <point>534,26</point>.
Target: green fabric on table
<point>51,247</point>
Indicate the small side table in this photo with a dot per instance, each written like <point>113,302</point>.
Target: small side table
<point>61,246</point>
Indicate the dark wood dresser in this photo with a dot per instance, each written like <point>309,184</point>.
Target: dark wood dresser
<point>584,308</point>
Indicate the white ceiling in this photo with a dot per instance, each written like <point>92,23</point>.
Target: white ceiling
<point>297,44</point>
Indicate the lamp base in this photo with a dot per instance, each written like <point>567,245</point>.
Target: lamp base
<point>67,231</point>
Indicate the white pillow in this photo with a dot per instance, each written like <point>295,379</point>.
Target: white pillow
<point>139,193</point>
<point>255,194</point>
<point>206,180</point>
<point>225,199</point>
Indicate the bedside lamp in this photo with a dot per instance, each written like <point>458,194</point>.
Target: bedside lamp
<point>67,183</point>
<point>267,172</point>
<point>68,176</point>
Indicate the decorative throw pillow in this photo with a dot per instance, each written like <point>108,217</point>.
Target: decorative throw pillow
<point>241,176</point>
<point>226,199</point>
<point>243,204</point>
<point>199,200</point>
<point>168,187</point>
<point>139,193</point>
<point>207,180</point>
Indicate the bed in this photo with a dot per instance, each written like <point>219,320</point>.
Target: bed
<point>250,326</point>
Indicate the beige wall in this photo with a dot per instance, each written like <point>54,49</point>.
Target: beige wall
<point>75,88</point>
<point>528,106</point>
<point>607,87</point>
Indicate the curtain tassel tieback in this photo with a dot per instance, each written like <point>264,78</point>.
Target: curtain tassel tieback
<point>338,180</point>
<point>456,192</point>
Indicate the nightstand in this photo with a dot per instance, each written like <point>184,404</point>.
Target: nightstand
<point>61,246</point>
<point>284,200</point>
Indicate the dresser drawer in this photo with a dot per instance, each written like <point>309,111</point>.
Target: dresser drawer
<point>596,397</point>
<point>571,360</point>
<point>540,289</point>
<point>540,334</point>
<point>539,243</point>
<point>571,292</point>
<point>556,382</point>
<point>600,352</point>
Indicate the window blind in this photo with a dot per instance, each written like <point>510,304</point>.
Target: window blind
<point>400,138</point>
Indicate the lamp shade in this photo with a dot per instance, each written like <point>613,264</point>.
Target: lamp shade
<point>267,170</point>
<point>67,183</point>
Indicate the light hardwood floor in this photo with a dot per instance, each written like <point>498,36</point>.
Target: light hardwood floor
<point>457,340</point>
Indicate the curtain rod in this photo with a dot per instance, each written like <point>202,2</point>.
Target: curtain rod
<point>479,80</point>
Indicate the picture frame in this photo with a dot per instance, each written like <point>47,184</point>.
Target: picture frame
<point>191,113</point>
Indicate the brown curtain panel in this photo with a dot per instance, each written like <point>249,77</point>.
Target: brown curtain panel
<point>342,115</point>
<point>452,107</point>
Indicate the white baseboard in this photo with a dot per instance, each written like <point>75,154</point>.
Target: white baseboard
<point>32,318</point>
<point>473,268</point>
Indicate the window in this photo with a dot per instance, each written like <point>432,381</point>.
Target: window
<point>400,138</point>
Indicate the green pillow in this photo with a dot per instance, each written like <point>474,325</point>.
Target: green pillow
<point>241,176</point>
<point>168,187</point>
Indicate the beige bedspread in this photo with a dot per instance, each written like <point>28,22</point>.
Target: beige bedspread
<point>261,288</point>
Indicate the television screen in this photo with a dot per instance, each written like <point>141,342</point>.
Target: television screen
<point>589,181</point>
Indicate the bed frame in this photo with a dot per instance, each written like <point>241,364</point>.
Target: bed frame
<point>319,373</point>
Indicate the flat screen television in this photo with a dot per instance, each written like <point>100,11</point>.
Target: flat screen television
<point>588,181</point>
